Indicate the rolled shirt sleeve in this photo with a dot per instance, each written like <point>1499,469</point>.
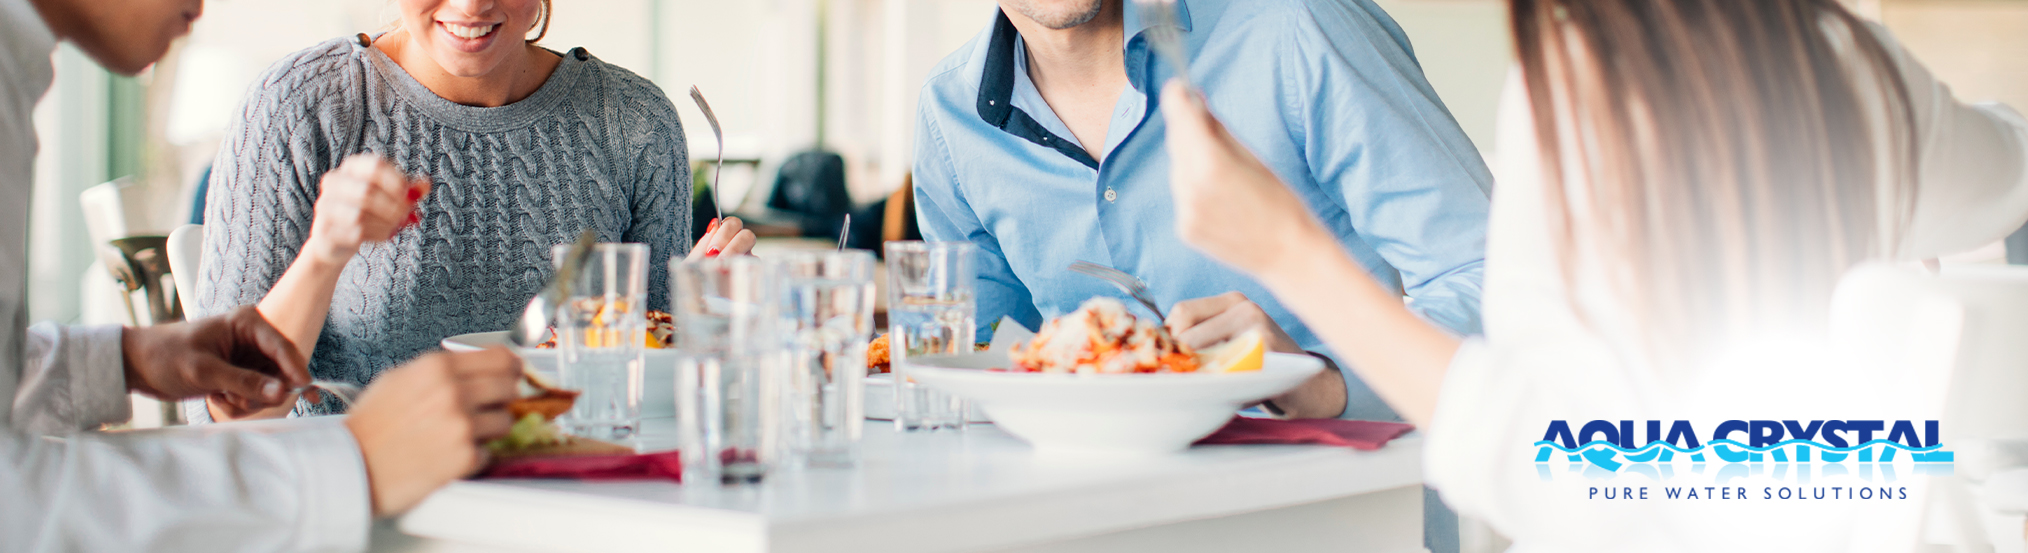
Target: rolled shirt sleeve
<point>73,379</point>
<point>300,487</point>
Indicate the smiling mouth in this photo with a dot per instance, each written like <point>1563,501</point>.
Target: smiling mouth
<point>469,32</point>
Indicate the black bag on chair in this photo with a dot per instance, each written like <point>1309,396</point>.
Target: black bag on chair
<point>811,186</point>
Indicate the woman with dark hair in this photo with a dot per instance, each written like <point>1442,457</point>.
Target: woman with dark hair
<point>1683,183</point>
<point>381,193</point>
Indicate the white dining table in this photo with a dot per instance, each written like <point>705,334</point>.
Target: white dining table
<point>976,490</point>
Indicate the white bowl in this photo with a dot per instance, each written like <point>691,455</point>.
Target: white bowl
<point>1145,414</point>
<point>658,379</point>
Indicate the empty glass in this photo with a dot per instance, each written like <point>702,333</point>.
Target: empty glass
<point>730,356</point>
<point>930,311</point>
<point>827,310</point>
<point>600,333</point>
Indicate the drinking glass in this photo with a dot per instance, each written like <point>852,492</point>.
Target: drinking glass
<point>827,312</point>
<point>600,333</point>
<point>730,354</point>
<point>930,311</point>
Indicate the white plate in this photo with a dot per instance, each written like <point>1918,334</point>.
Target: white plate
<point>1109,414</point>
<point>658,392</point>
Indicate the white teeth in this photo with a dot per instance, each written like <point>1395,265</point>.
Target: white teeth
<point>468,31</point>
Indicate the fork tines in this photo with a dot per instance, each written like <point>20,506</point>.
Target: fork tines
<point>1125,282</point>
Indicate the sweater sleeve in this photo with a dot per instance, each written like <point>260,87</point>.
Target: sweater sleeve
<point>264,183</point>
<point>659,160</point>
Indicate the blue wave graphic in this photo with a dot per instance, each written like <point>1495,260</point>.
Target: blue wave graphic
<point>1729,442</point>
<point>1607,455</point>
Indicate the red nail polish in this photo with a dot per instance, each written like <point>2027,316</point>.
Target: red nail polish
<point>712,253</point>
<point>414,219</point>
<point>414,193</point>
<point>708,229</point>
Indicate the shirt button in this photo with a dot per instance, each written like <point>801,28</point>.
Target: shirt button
<point>1111,195</point>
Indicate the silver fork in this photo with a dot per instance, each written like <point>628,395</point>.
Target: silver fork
<point>1126,283</point>
<point>844,233</point>
<point>344,392</point>
<point>719,134</point>
<point>1165,35</point>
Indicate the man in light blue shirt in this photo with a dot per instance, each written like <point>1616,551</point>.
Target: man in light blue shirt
<point>1041,142</point>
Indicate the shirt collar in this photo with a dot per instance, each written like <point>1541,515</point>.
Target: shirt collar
<point>996,91</point>
<point>996,79</point>
<point>1028,99</point>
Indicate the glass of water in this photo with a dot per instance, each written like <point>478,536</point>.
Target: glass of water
<point>827,309</point>
<point>600,334</point>
<point>930,311</point>
<point>730,356</point>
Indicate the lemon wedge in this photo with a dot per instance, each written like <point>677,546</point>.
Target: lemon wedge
<point>1243,353</point>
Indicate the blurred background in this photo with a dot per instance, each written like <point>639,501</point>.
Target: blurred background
<point>784,76</point>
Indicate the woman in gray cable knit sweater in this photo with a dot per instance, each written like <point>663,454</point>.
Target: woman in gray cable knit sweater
<point>382,193</point>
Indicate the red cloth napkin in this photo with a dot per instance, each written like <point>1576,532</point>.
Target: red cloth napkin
<point>653,466</point>
<point>1360,435</point>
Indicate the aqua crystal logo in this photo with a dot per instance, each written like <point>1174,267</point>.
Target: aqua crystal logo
<point>1865,452</point>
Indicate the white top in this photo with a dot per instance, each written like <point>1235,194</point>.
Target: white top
<point>1538,363</point>
<point>214,491</point>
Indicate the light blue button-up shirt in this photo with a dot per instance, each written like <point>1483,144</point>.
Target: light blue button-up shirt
<point>1327,92</point>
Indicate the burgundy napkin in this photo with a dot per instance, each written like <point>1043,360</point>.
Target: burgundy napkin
<point>1360,435</point>
<point>653,466</point>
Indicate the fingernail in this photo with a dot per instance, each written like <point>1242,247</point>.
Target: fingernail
<point>708,229</point>
<point>272,389</point>
<point>712,253</point>
<point>414,218</point>
<point>414,194</point>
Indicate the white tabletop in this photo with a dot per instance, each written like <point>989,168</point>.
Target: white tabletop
<point>979,490</point>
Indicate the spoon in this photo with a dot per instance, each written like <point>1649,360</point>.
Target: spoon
<point>533,324</point>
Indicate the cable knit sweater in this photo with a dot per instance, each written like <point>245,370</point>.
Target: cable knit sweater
<point>595,147</point>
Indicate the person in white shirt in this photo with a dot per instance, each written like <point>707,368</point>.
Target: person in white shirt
<point>311,486</point>
<point>1679,180</point>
